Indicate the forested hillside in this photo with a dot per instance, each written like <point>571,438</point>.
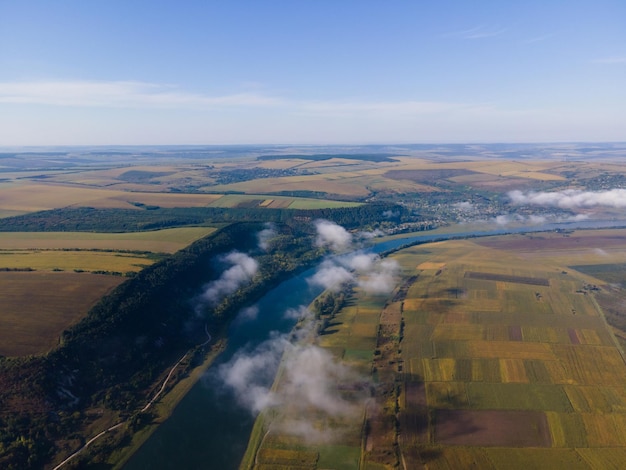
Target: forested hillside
<point>109,361</point>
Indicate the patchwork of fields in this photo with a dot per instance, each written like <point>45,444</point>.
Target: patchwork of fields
<point>36,196</point>
<point>50,280</point>
<point>493,354</point>
<point>257,183</point>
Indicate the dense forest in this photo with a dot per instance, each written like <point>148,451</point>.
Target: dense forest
<point>112,358</point>
<point>86,219</point>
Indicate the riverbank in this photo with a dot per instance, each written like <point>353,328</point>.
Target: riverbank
<point>159,408</point>
<point>164,407</point>
<point>209,425</point>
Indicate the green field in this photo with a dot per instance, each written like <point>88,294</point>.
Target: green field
<point>509,366</point>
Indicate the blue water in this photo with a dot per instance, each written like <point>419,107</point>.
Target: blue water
<point>208,429</point>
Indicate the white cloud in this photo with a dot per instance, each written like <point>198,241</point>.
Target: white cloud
<point>136,94</point>
<point>82,112</point>
<point>502,219</point>
<point>299,313</point>
<point>247,314</point>
<point>360,262</point>
<point>265,236</point>
<point>611,60</point>
<point>249,374</point>
<point>464,206</point>
<point>506,219</point>
<point>366,270</point>
<point>382,279</point>
<point>310,381</point>
<point>115,94</point>
<point>478,32</point>
<point>368,235</point>
<point>332,277</point>
<point>241,272</point>
<point>538,38</point>
<point>71,112</point>
<point>571,198</point>
<point>386,108</point>
<point>600,252</point>
<point>332,235</point>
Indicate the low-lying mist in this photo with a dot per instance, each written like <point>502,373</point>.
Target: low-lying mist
<point>316,393</point>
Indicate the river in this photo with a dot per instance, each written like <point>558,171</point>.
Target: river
<point>208,429</point>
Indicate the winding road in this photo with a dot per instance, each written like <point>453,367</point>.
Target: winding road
<point>145,408</point>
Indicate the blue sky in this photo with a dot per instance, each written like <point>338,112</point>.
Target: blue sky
<point>311,72</point>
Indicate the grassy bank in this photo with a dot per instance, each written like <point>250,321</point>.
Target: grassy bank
<point>164,408</point>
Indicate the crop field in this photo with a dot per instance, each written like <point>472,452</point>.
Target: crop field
<point>43,292</point>
<point>496,364</point>
<point>556,381</point>
<point>156,241</point>
<point>37,307</point>
<point>66,260</point>
<point>37,196</point>
<point>493,175</point>
<point>338,184</point>
<point>30,197</point>
<point>276,202</point>
<point>47,280</point>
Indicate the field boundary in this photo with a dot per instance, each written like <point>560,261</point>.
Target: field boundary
<point>533,281</point>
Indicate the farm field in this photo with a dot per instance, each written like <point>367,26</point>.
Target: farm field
<point>34,196</point>
<point>47,280</point>
<point>156,241</point>
<point>67,260</point>
<point>500,352</point>
<point>403,174</point>
<point>37,196</point>
<point>37,306</point>
<point>276,202</point>
<point>491,353</point>
<point>188,184</point>
<point>43,292</point>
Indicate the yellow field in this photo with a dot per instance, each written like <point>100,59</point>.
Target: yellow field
<point>156,241</point>
<point>603,458</point>
<point>458,332</point>
<point>31,197</point>
<point>446,394</point>
<point>605,430</point>
<point>64,260</point>
<point>513,371</point>
<point>537,170</point>
<point>439,370</point>
<point>344,186</point>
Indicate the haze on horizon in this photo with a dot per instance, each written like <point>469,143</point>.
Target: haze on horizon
<point>324,72</point>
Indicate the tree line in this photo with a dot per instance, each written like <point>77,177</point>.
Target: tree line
<point>88,219</point>
<point>113,356</point>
